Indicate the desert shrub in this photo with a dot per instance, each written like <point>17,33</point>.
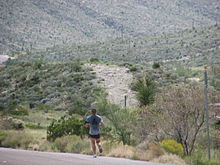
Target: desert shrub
<point>11,123</point>
<point>38,64</point>
<point>61,143</point>
<point>118,118</point>
<point>76,66</point>
<point>18,139</point>
<point>42,107</point>
<point>2,136</point>
<point>34,126</point>
<point>156,65</point>
<point>78,145</point>
<point>65,126</point>
<point>72,144</point>
<point>200,158</point>
<point>33,146</point>
<point>45,146</point>
<point>215,136</point>
<point>94,60</point>
<point>20,110</point>
<point>78,78</point>
<point>122,151</point>
<point>155,149</point>
<point>148,151</point>
<point>133,69</point>
<point>169,158</point>
<point>109,145</point>
<point>172,146</point>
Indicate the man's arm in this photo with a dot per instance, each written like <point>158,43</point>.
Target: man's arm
<point>101,123</point>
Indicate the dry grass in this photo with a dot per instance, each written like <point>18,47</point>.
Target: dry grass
<point>149,151</point>
<point>169,158</point>
<point>17,139</point>
<point>122,152</point>
<point>46,146</point>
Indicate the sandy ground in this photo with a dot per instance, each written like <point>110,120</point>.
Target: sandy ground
<point>117,82</point>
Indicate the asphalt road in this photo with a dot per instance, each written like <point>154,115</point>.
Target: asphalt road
<point>24,157</point>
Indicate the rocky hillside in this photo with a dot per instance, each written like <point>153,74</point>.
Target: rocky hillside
<point>116,80</point>
<point>29,24</point>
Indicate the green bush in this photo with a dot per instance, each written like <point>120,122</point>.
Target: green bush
<point>133,69</point>
<point>76,66</point>
<point>17,140</point>
<point>173,147</point>
<point>156,65</point>
<point>94,60</point>
<point>65,126</point>
<point>34,126</point>
<point>20,110</point>
<point>38,64</point>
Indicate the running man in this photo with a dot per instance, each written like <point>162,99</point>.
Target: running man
<point>93,122</point>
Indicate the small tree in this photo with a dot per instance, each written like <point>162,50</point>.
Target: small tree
<point>147,125</point>
<point>183,111</point>
<point>120,119</point>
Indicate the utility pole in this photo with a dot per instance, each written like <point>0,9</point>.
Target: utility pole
<point>207,110</point>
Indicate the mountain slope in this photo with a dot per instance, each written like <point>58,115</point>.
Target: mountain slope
<point>59,86</point>
<point>197,47</point>
<point>41,24</point>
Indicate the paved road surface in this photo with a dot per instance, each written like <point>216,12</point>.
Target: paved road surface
<point>23,157</point>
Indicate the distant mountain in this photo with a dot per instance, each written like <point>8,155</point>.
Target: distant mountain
<point>27,24</point>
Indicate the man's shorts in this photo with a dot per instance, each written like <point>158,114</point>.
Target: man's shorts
<point>94,136</point>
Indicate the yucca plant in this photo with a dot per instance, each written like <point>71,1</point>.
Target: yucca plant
<point>146,90</point>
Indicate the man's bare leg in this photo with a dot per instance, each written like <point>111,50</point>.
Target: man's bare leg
<point>99,145</point>
<point>93,146</point>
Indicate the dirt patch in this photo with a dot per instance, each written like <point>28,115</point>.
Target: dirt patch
<point>117,82</point>
<point>4,58</point>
